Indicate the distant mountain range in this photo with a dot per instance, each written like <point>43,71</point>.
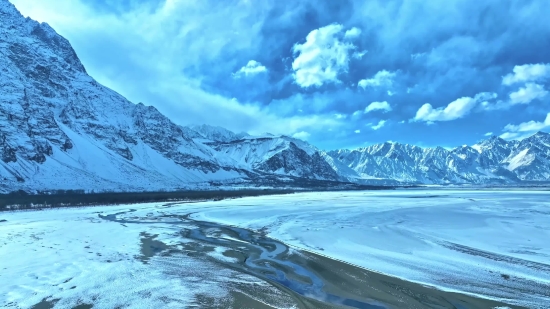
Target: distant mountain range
<point>60,129</point>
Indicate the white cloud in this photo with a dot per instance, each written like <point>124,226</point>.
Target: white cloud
<point>340,116</point>
<point>390,93</point>
<point>251,68</point>
<point>160,32</point>
<point>525,129</point>
<point>530,126</point>
<point>144,61</point>
<point>383,106</point>
<point>357,131</point>
<point>352,33</point>
<point>488,134</point>
<point>381,78</point>
<point>455,110</point>
<point>357,113</point>
<point>380,124</point>
<point>527,73</point>
<point>359,55</point>
<point>322,57</point>
<point>303,135</point>
<point>528,93</point>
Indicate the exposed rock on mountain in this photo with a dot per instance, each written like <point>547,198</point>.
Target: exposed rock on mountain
<point>491,161</point>
<point>280,155</point>
<point>59,128</point>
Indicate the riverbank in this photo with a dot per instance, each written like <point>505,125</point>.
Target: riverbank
<point>21,200</point>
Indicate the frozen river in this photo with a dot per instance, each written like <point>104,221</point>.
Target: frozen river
<point>488,244</point>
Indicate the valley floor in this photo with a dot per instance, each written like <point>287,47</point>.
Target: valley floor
<point>362,249</point>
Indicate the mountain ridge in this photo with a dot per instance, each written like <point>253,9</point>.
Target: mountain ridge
<point>61,129</point>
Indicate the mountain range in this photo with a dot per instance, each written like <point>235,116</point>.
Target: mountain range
<point>60,129</point>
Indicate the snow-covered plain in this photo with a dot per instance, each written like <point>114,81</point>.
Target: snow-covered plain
<point>74,257</point>
<point>489,243</point>
<point>495,244</point>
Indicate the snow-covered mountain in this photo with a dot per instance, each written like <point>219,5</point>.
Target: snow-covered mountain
<point>491,161</point>
<point>281,155</point>
<point>60,129</point>
<point>215,134</point>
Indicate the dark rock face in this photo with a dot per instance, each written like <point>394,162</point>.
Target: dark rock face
<point>295,161</point>
<point>32,80</point>
<point>279,155</point>
<point>167,138</point>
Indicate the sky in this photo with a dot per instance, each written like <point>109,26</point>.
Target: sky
<point>339,74</point>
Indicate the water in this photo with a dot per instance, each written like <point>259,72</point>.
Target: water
<point>265,257</point>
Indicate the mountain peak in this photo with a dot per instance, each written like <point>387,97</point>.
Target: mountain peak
<point>217,133</point>
<point>7,7</point>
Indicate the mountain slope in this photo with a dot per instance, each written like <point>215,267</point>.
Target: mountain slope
<point>59,128</point>
<point>280,155</point>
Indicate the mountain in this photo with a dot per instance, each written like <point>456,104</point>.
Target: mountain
<point>60,129</point>
<point>530,158</point>
<point>280,155</point>
<point>494,160</point>
<point>216,134</point>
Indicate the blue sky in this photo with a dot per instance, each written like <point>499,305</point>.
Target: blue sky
<point>340,74</point>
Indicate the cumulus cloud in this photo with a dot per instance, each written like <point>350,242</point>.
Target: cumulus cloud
<point>340,116</point>
<point>303,135</point>
<point>357,131</point>
<point>383,106</point>
<point>322,57</point>
<point>359,55</point>
<point>455,110</point>
<point>488,134</point>
<point>381,78</point>
<point>525,128</point>
<point>357,114</point>
<point>528,93</point>
<point>251,68</point>
<point>527,73</point>
<point>352,33</point>
<point>380,124</point>
<point>529,126</point>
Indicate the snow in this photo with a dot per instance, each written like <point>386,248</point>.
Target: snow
<point>72,255</point>
<point>465,241</point>
<point>218,255</point>
<point>522,158</point>
<point>458,240</point>
<point>250,152</point>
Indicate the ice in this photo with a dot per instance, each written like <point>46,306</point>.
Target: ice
<point>466,241</point>
<point>218,255</point>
